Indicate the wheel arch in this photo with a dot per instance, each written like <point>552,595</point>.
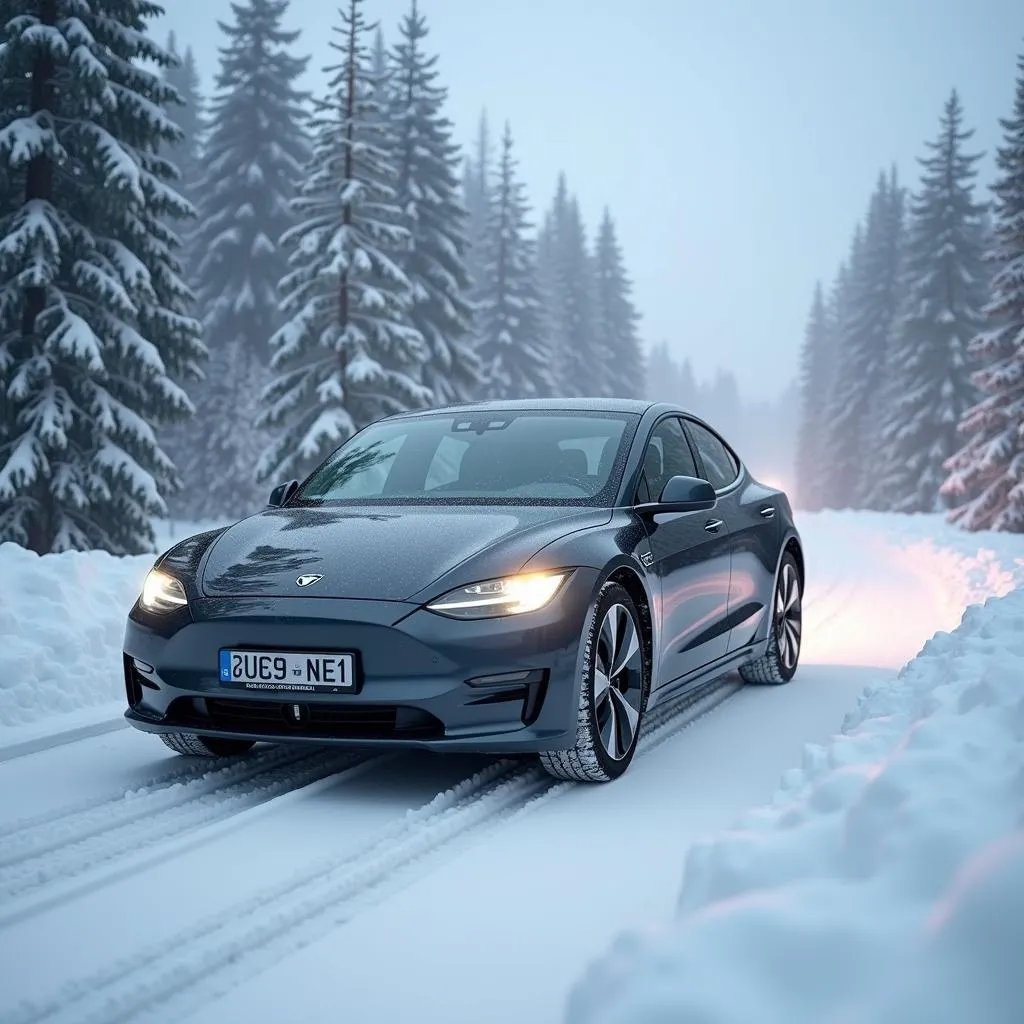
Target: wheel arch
<point>633,583</point>
<point>791,544</point>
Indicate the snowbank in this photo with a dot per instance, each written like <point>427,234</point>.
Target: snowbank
<point>884,885</point>
<point>62,619</point>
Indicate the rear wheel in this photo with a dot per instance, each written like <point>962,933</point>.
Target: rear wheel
<point>778,665</point>
<point>192,745</point>
<point>613,693</point>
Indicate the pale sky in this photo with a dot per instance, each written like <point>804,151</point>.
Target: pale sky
<point>735,141</point>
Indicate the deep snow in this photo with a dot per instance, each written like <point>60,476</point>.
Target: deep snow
<point>62,617</point>
<point>883,884</point>
<point>407,887</point>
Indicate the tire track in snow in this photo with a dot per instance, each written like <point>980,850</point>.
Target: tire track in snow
<point>50,741</point>
<point>207,959</point>
<point>68,853</point>
<point>171,771</point>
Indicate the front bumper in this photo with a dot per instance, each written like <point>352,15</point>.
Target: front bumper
<point>503,685</point>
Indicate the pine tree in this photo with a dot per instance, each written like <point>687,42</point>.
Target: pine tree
<point>511,317</point>
<point>347,355</point>
<point>582,365</point>
<point>476,188</point>
<point>93,331</point>
<point>548,283</point>
<point>179,439</point>
<point>669,381</point>
<point>814,383</point>
<point>891,297</point>
<point>186,155</point>
<point>427,162</point>
<point>836,315</point>
<point>989,468</point>
<point>929,376</point>
<point>256,151</point>
<point>616,317</point>
<point>865,332</point>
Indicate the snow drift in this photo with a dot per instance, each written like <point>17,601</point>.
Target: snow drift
<point>884,884</point>
<point>62,620</point>
<point>61,617</point>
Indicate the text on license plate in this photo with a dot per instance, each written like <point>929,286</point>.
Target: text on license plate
<point>288,670</point>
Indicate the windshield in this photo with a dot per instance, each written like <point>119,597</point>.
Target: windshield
<point>495,458</point>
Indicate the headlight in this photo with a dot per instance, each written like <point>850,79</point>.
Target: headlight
<point>509,596</point>
<point>162,592</point>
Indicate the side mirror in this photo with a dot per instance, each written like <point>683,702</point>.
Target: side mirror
<point>683,494</point>
<point>281,493</point>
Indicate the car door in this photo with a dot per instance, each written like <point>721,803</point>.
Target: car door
<point>691,560</point>
<point>753,532</point>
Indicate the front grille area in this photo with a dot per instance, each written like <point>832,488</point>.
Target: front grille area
<point>314,719</point>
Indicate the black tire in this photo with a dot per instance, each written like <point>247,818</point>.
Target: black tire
<point>779,662</point>
<point>192,745</point>
<point>608,718</point>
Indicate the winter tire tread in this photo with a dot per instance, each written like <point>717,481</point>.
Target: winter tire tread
<point>582,763</point>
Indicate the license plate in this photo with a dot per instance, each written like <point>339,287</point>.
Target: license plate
<point>288,670</point>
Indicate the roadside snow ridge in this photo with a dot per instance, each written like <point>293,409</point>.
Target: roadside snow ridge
<point>884,884</point>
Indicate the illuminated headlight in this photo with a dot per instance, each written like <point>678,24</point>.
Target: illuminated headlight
<point>162,593</point>
<point>512,595</point>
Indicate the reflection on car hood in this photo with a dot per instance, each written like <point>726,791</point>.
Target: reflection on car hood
<point>386,553</point>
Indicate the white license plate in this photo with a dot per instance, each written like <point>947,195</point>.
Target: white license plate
<point>288,670</point>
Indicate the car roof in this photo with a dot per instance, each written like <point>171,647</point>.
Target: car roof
<point>620,405</point>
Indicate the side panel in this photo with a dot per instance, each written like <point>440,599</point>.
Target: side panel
<point>693,566</point>
<point>753,514</point>
<point>755,517</point>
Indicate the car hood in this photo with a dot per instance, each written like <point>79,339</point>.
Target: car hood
<point>387,554</point>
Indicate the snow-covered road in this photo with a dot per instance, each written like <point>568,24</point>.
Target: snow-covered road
<point>316,884</point>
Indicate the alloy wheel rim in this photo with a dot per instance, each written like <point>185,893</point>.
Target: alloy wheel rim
<point>788,618</point>
<point>618,681</point>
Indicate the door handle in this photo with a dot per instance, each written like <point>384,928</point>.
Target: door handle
<point>768,512</point>
<point>713,525</point>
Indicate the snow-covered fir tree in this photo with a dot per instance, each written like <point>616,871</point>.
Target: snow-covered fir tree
<point>94,335</point>
<point>547,281</point>
<point>582,364</point>
<point>427,163</point>
<point>347,355</point>
<point>476,186</point>
<point>989,469</point>
<point>511,335</point>
<point>669,381</point>
<point>178,439</point>
<point>616,317</point>
<point>864,336</point>
<point>928,386</point>
<point>836,305</point>
<point>186,155</point>
<point>256,152</point>
<point>814,390</point>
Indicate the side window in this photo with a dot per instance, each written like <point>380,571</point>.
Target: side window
<point>720,468</point>
<point>668,455</point>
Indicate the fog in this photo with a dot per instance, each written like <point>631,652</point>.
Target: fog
<point>736,142</point>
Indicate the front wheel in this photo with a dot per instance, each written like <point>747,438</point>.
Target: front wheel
<point>778,665</point>
<point>193,745</point>
<point>613,693</point>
